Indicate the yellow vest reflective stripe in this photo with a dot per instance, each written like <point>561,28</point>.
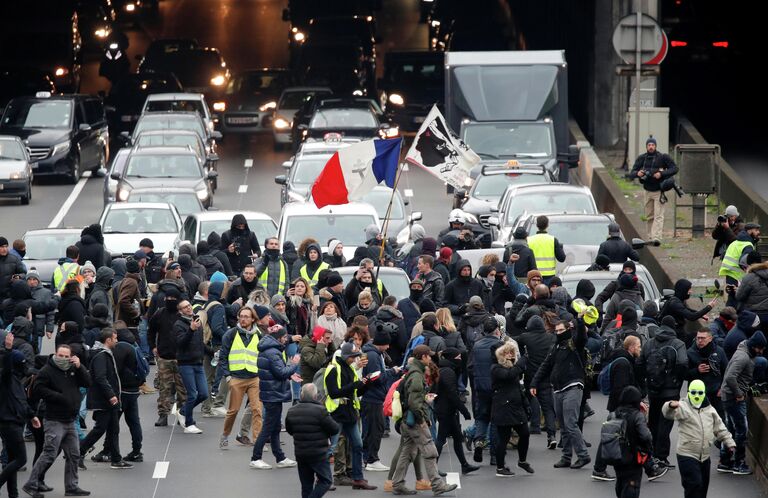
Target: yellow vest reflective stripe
<point>380,286</point>
<point>283,278</point>
<point>242,357</point>
<point>543,247</point>
<point>332,403</point>
<point>64,272</point>
<point>313,279</point>
<point>730,266</point>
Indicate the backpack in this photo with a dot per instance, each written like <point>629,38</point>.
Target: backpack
<point>392,404</point>
<point>142,365</point>
<point>203,315</point>
<point>415,342</point>
<point>319,383</point>
<point>660,366</point>
<point>473,333</point>
<point>612,340</point>
<point>604,378</point>
<point>614,443</point>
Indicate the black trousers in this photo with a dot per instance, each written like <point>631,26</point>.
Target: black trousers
<point>505,431</point>
<point>628,481</point>
<point>13,440</point>
<point>106,422</point>
<point>660,427</point>
<point>308,470</point>
<point>450,426</point>
<point>694,476</point>
<point>373,430</point>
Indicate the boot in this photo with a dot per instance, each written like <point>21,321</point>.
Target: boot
<point>388,486</point>
<point>362,484</point>
<point>423,485</point>
<point>466,468</point>
<point>162,421</point>
<point>145,389</point>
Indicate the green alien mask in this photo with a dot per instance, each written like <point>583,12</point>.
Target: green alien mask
<point>696,393</point>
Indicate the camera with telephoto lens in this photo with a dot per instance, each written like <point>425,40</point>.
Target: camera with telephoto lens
<point>721,218</point>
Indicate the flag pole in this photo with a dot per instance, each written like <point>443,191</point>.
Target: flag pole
<point>389,211</point>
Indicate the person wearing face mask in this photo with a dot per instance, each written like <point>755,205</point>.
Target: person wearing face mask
<point>273,273</point>
<point>162,340</point>
<point>606,294</point>
<point>409,306</point>
<point>335,256</point>
<point>677,308</point>
<point>58,384</point>
<point>363,281</point>
<point>101,289</point>
<point>721,325</point>
<point>461,289</point>
<point>697,423</point>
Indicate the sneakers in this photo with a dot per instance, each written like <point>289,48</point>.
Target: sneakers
<point>32,492</point>
<point>388,486</point>
<point>467,440</point>
<point>224,443</point>
<point>526,467</point>
<point>192,429</point>
<point>77,492</point>
<point>376,466</point>
<point>244,440</point>
<point>44,488</point>
<point>162,421</point>
<point>81,463</point>
<point>551,443</point>
<point>423,485</point>
<point>219,411</point>
<point>562,464</point>
<point>100,457</point>
<point>603,475</point>
<point>741,469</point>
<point>134,457</point>
<point>665,463</point>
<point>363,484</point>
<point>342,480</point>
<point>657,471</point>
<point>145,389</point>
<point>466,469</point>
<point>504,472</point>
<point>181,419</point>
<point>285,463</point>
<point>447,488</point>
<point>122,464</point>
<point>580,462</point>
<point>478,454</point>
<point>259,465</point>
<point>725,468</point>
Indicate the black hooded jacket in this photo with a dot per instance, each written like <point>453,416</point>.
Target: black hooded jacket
<point>191,280</point>
<point>72,309</point>
<point>638,434</point>
<point>215,250</point>
<point>91,245</point>
<point>245,242</point>
<point>677,309</point>
<point>447,402</point>
<point>60,390</point>
<point>208,260</point>
<point>461,289</point>
<point>102,288</point>
<point>289,253</point>
<point>622,375</point>
<point>20,293</point>
<point>527,261</point>
<point>618,250</point>
<point>196,267</point>
<point>535,343</point>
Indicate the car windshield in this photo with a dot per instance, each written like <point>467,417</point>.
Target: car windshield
<point>191,105</point>
<point>343,118</point>
<point>492,187</point>
<point>262,228</point>
<point>48,245</point>
<point>256,83</point>
<point>582,233</point>
<point>294,100</point>
<point>509,139</point>
<point>601,282</point>
<point>348,228</point>
<point>167,123</point>
<point>166,139</point>
<point>39,114</point>
<point>416,74</point>
<point>135,88</point>
<point>163,166</point>
<point>379,199</point>
<point>146,220</point>
<point>193,68</point>
<point>306,171</point>
<point>11,149</point>
<point>185,202</point>
<point>549,202</point>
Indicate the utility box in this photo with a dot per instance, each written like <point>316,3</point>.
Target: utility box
<point>698,167</point>
<point>653,121</point>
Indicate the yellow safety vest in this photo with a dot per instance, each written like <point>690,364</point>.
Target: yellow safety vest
<point>242,357</point>
<point>543,247</point>
<point>61,275</point>
<point>283,278</point>
<point>380,286</point>
<point>730,266</point>
<point>332,403</point>
<point>313,279</point>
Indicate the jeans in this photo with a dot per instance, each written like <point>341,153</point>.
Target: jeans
<point>143,343</point>
<point>105,422</point>
<point>373,430</point>
<point>352,432</point>
<point>291,350</point>
<point>660,427</point>
<point>505,431</point>
<point>131,416</point>
<point>543,402</point>
<point>308,470</point>
<point>694,475</point>
<point>83,413</point>
<point>568,408</point>
<point>760,372</point>
<point>59,436</point>
<point>736,421</point>
<point>196,385</point>
<point>450,426</point>
<point>13,440</point>
<point>270,431</point>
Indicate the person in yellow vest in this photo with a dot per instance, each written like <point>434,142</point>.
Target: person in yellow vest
<point>734,262</point>
<point>67,269</point>
<point>343,387</point>
<point>310,267</point>
<point>273,272</point>
<point>238,361</point>
<point>546,249</point>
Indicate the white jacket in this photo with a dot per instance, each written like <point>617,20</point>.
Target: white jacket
<point>696,428</point>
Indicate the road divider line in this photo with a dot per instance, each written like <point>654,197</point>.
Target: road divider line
<point>70,201</point>
<point>242,189</point>
<point>248,163</point>
<point>453,478</point>
<point>161,470</point>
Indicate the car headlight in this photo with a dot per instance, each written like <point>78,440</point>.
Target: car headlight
<point>218,80</point>
<point>281,124</point>
<point>60,148</point>
<point>130,7</point>
<point>299,37</point>
<point>19,175</point>
<point>101,33</point>
<point>122,194</point>
<point>202,194</point>
<point>60,71</point>
<point>357,93</point>
<point>220,106</point>
<point>396,99</point>
<point>268,106</point>
<point>392,132</point>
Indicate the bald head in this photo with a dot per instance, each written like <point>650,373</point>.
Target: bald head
<point>541,291</point>
<point>632,345</point>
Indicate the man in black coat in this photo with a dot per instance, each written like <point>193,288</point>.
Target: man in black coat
<point>104,400</point>
<point>240,243</point>
<point>707,361</point>
<point>10,265</point>
<point>214,249</point>
<point>617,249</point>
<point>653,168</point>
<point>91,246</point>
<point>519,245</point>
<point>461,289</point>
<point>58,385</point>
<point>311,426</point>
<point>536,343</point>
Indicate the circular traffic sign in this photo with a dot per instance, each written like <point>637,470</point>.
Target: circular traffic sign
<point>654,44</point>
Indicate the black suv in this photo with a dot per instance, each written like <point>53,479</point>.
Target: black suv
<point>65,134</point>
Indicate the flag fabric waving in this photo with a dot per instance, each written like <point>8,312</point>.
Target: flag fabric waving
<point>439,151</point>
<point>354,171</point>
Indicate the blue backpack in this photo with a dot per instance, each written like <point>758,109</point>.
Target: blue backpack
<point>142,365</point>
<point>604,378</point>
<point>416,342</point>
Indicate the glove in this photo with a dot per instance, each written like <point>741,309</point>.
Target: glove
<point>462,309</point>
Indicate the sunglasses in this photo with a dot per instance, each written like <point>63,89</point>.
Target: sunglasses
<point>696,393</point>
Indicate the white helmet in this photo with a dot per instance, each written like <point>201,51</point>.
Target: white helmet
<point>456,216</point>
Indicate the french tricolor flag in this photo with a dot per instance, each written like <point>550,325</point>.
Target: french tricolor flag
<point>354,171</point>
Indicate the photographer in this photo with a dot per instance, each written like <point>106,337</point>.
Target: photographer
<point>728,226</point>
<point>240,244</point>
<point>737,258</point>
<point>655,171</point>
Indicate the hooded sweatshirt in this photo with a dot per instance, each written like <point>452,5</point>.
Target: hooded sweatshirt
<point>666,337</point>
<point>536,343</point>
<point>461,289</point>
<point>638,434</point>
<point>245,242</point>
<point>677,308</point>
<point>91,245</point>
<point>208,260</point>
<point>752,292</point>
<point>738,375</point>
<point>746,324</point>
<point>215,250</point>
<point>102,290</point>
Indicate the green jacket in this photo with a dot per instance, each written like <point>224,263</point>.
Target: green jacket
<point>417,392</point>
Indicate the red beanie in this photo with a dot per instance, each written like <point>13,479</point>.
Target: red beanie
<point>446,253</point>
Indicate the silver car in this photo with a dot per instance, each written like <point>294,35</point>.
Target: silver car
<point>15,169</point>
<point>45,246</point>
<point>571,275</point>
<point>287,105</point>
<point>109,191</point>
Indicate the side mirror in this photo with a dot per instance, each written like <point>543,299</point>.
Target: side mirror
<point>212,158</point>
<point>212,174</point>
<point>115,175</point>
<point>638,243</point>
<point>281,180</point>
<point>287,164</point>
<point>494,209</point>
<point>84,127</point>
<point>667,292</point>
<point>101,172</point>
<point>571,158</point>
<point>216,135</point>
<point>115,255</point>
<point>415,216</point>
<point>494,221</point>
<point>497,244</point>
<point>384,126</point>
<point>286,15</point>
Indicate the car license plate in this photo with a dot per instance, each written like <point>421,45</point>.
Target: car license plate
<point>418,119</point>
<point>247,120</point>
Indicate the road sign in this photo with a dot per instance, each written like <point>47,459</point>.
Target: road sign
<point>653,45</point>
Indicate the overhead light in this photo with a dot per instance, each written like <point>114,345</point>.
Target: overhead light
<point>268,106</point>
<point>396,99</point>
<point>299,36</point>
<point>61,71</point>
<point>220,106</point>
<point>218,80</point>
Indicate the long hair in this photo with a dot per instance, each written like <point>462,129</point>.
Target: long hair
<point>307,295</point>
<point>445,320</point>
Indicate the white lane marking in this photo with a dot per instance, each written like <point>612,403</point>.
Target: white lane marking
<point>453,478</point>
<point>161,470</point>
<point>408,192</point>
<point>242,189</point>
<point>404,167</point>
<point>175,413</point>
<point>70,200</point>
<point>248,163</point>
